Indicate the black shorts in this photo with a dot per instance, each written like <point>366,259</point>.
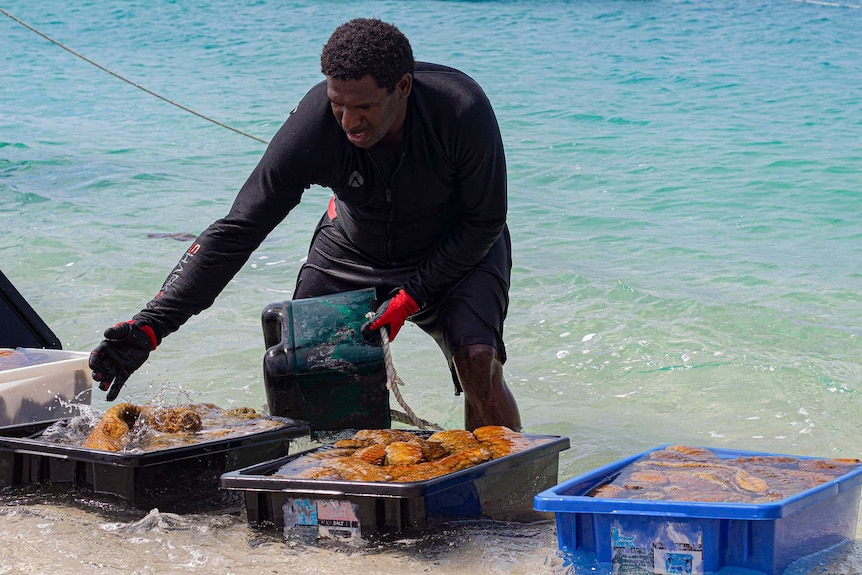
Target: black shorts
<point>472,311</point>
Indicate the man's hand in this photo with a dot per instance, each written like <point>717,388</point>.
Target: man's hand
<point>392,314</point>
<point>125,348</point>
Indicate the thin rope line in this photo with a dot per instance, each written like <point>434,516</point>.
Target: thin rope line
<point>138,86</point>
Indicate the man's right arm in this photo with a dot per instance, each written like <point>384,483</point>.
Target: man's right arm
<point>289,165</point>
<point>218,254</point>
<point>273,189</point>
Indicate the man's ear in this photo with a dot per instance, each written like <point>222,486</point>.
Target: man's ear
<point>405,84</point>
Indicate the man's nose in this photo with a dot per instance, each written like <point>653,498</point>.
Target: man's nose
<point>350,119</point>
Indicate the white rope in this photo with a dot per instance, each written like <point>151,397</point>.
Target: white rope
<point>392,383</point>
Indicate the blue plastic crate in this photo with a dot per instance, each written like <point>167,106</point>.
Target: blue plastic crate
<point>620,536</point>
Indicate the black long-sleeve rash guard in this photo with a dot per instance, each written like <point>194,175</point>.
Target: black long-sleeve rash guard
<point>439,206</point>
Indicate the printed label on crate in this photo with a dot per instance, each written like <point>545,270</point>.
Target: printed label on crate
<point>678,562</point>
<point>299,513</point>
<point>337,519</point>
<point>662,549</point>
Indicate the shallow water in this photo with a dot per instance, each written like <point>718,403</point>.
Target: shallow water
<point>684,208</point>
<point>222,543</point>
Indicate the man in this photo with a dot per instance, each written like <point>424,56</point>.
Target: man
<point>414,157</point>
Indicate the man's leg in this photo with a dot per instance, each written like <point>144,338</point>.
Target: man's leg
<point>487,399</point>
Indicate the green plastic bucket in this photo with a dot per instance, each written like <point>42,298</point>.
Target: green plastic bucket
<point>319,368</point>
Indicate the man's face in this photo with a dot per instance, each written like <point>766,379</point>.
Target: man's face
<point>367,113</point>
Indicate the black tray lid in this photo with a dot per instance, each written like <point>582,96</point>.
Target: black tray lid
<point>33,446</point>
<point>22,326</point>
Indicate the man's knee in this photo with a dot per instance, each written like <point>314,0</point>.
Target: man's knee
<point>476,355</point>
<point>478,367</point>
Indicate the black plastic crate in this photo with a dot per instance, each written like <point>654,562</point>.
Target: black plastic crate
<point>501,489</point>
<point>171,479</point>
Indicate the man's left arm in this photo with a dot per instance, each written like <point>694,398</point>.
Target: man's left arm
<point>481,179</point>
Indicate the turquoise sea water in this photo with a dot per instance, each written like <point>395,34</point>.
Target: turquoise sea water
<point>685,208</point>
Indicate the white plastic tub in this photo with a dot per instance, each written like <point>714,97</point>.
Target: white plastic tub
<point>42,385</point>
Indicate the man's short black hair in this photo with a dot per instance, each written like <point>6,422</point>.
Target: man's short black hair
<point>367,46</point>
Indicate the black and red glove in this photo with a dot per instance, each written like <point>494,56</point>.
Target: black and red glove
<point>125,348</point>
<point>392,314</point>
